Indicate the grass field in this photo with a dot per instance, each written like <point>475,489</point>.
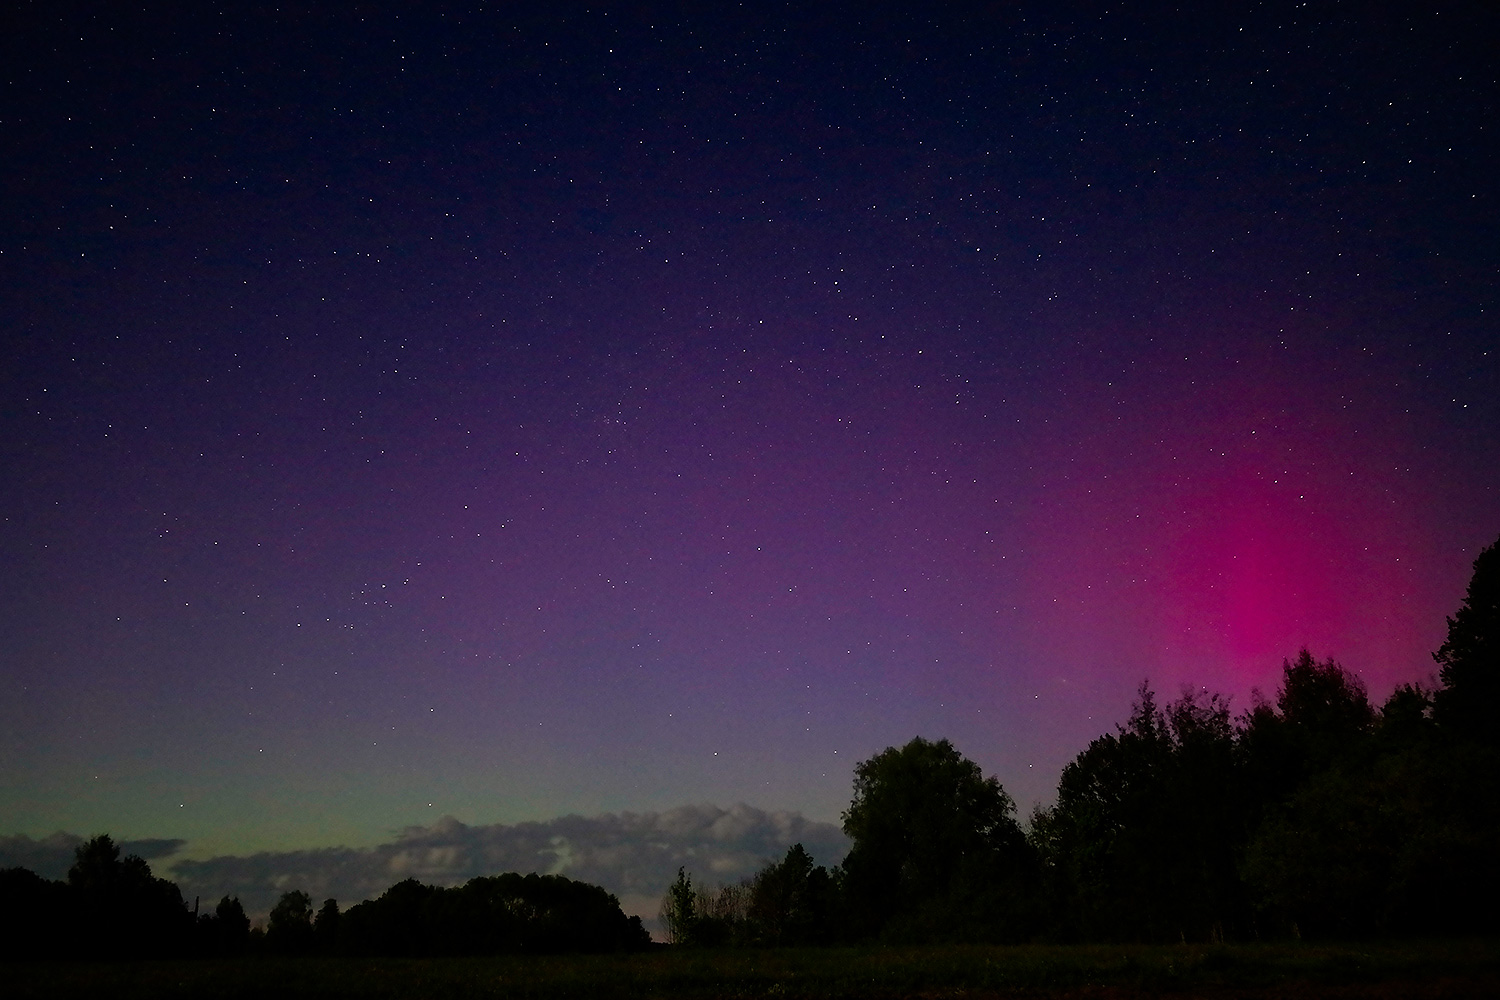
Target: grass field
<point>1469,968</point>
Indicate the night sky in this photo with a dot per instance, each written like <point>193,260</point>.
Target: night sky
<point>415,412</point>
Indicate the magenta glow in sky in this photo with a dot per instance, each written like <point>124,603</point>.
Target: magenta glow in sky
<point>449,414</point>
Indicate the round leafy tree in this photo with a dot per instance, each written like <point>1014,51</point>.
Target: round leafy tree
<point>929,830</point>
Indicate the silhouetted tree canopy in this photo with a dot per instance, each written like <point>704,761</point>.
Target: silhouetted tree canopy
<point>227,930</point>
<point>1469,658</point>
<point>119,908</point>
<point>1312,815</point>
<point>791,901</point>
<point>289,930</point>
<point>34,916</point>
<point>928,828</point>
<point>326,926</point>
<point>1140,844</point>
<point>501,914</point>
<point>114,908</point>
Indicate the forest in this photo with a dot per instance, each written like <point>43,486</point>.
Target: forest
<point>1313,815</point>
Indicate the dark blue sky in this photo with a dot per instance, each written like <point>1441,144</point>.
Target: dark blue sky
<point>412,411</point>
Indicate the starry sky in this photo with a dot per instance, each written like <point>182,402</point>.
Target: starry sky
<point>420,411</point>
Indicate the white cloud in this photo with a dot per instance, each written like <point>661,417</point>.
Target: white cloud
<point>633,855</point>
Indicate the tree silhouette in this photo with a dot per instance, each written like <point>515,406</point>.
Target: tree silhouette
<point>1394,835</point>
<point>790,901</point>
<point>1469,658</point>
<point>231,927</point>
<point>722,916</point>
<point>1142,841</point>
<point>326,926</point>
<point>501,914</point>
<point>927,828</point>
<point>121,909</point>
<point>1313,815</point>
<point>1321,714</point>
<point>34,915</point>
<point>1324,704</point>
<point>1322,863</point>
<point>391,924</point>
<point>289,931</point>
<point>679,909</point>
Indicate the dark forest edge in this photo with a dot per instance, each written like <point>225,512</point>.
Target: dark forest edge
<point>115,908</point>
<point>1315,815</point>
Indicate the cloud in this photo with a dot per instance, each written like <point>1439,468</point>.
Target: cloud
<point>52,856</point>
<point>633,855</point>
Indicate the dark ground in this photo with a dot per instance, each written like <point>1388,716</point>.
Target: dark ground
<point>1414,970</point>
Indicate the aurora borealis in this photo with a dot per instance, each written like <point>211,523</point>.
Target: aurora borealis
<point>419,412</point>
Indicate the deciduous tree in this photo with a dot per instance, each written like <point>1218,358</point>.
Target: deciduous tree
<point>928,828</point>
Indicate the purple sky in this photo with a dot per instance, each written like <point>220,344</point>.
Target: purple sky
<point>412,413</point>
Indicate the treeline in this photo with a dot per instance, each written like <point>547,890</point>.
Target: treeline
<point>1316,814</point>
<point>500,914</point>
<point>113,907</point>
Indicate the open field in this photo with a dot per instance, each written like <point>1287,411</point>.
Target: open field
<point>1469,968</point>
